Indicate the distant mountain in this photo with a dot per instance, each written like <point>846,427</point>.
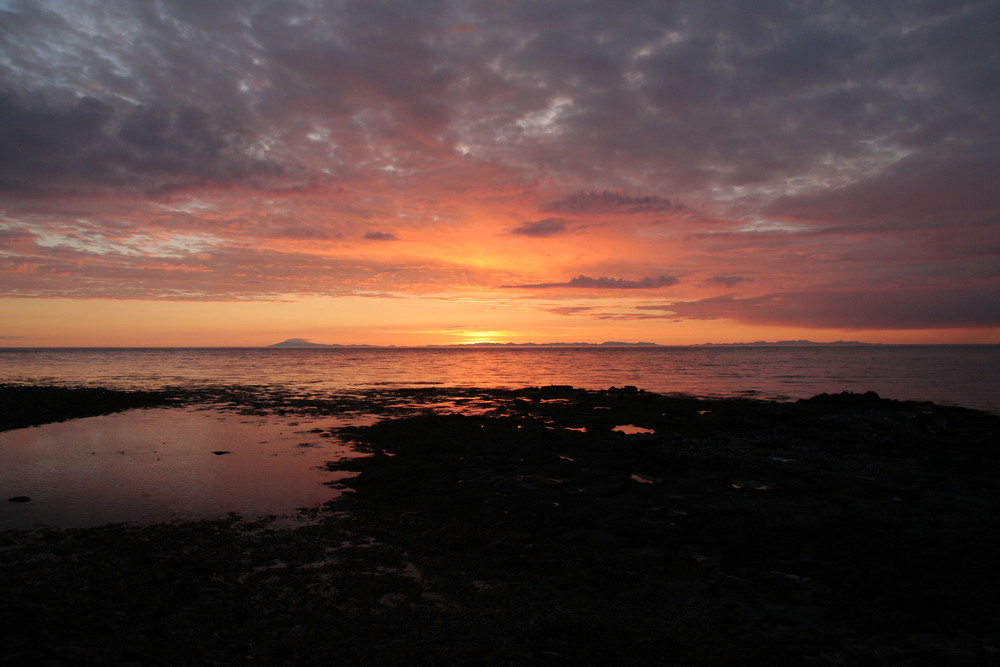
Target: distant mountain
<point>786,343</point>
<point>298,342</point>
<point>302,342</point>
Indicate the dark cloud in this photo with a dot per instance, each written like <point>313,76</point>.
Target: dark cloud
<point>570,310</point>
<point>951,187</point>
<point>216,94</point>
<point>381,236</point>
<point>13,236</point>
<point>928,308</point>
<point>82,145</point>
<point>691,98</point>
<point>542,228</point>
<point>726,281</point>
<point>302,232</point>
<point>608,283</point>
<point>605,201</point>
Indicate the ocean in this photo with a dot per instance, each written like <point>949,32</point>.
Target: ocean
<point>159,464</point>
<point>966,375</point>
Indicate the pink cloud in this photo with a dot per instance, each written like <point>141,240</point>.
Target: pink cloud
<point>928,308</point>
<point>604,282</point>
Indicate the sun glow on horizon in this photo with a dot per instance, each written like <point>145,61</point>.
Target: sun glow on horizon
<point>474,337</point>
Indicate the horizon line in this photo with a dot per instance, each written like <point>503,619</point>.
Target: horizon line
<point>487,346</point>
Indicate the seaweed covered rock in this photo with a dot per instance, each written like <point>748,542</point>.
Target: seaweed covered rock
<point>29,405</point>
<point>836,530</point>
<point>559,526</point>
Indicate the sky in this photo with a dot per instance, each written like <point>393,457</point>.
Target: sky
<point>182,172</point>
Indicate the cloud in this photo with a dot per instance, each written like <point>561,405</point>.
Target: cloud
<point>542,228</point>
<point>381,236</point>
<point>80,145</point>
<point>801,96</point>
<point>843,144</point>
<point>944,207</point>
<point>928,308</point>
<point>606,283</point>
<point>605,202</point>
<point>303,232</point>
<point>82,266</point>
<point>804,94</point>
<point>570,310</point>
<point>726,281</point>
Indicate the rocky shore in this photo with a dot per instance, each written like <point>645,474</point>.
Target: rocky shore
<point>557,526</point>
<point>22,406</point>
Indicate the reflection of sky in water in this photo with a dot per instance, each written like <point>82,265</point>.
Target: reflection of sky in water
<point>963,375</point>
<point>157,465</point>
<point>632,429</point>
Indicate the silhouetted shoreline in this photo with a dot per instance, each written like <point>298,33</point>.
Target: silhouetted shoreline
<point>305,343</point>
<point>526,527</point>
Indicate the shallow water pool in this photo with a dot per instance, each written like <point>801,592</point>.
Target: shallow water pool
<point>159,465</point>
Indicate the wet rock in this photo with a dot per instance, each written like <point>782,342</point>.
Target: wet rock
<point>29,405</point>
<point>534,540</point>
<point>19,499</point>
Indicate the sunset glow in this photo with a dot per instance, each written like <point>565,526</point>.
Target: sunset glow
<point>401,173</point>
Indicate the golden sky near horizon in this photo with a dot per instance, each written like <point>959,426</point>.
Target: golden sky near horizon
<point>389,172</point>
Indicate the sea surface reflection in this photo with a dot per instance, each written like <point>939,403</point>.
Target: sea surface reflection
<point>964,375</point>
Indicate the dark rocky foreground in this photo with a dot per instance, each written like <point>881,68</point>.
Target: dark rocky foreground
<point>22,406</point>
<point>842,530</point>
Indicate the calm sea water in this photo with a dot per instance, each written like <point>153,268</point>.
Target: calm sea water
<point>967,375</point>
<point>158,464</point>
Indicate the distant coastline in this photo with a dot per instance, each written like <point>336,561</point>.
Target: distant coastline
<point>787,343</point>
<point>303,342</point>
